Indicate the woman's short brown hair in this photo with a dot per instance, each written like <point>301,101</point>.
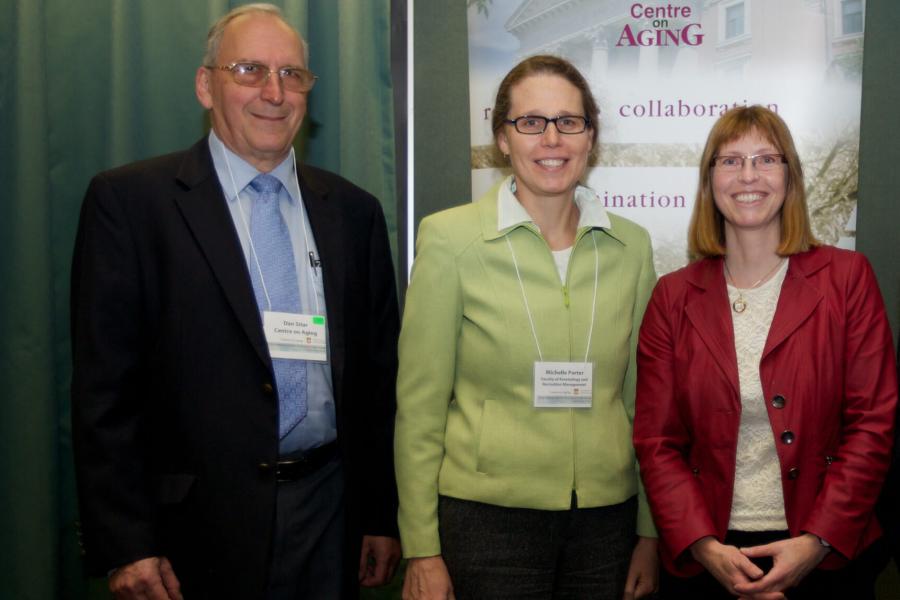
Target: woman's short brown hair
<point>545,64</point>
<point>706,235</point>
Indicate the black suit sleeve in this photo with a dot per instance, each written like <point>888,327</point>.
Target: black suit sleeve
<point>378,415</point>
<point>109,331</point>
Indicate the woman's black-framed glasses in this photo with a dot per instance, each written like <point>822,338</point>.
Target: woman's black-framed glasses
<point>536,125</point>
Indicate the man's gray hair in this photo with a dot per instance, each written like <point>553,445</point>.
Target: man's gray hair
<point>214,37</point>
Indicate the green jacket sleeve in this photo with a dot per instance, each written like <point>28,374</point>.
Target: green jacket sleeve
<point>646,282</point>
<point>428,340</point>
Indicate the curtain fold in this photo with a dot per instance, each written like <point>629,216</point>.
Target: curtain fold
<point>96,84</point>
<point>350,51</point>
<point>28,513</point>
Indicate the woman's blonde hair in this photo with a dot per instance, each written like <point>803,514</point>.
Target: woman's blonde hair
<point>706,235</point>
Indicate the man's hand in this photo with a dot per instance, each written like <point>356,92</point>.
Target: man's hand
<point>793,560</point>
<point>730,567</point>
<point>145,579</point>
<point>427,579</point>
<point>643,571</point>
<point>378,560</point>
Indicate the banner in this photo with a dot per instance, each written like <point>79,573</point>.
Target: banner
<point>662,74</point>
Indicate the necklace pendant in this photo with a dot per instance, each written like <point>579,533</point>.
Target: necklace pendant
<point>739,305</point>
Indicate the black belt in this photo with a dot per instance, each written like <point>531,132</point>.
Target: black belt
<point>297,467</point>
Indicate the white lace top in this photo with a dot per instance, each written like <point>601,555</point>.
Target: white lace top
<point>758,503</point>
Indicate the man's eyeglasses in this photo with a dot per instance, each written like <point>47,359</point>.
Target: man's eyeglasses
<point>532,125</point>
<point>252,74</point>
<point>760,162</point>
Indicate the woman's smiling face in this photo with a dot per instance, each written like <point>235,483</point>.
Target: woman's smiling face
<point>750,199</point>
<point>550,164</point>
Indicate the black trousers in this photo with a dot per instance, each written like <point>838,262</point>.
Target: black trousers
<point>855,581</point>
<point>495,553</point>
<point>308,546</point>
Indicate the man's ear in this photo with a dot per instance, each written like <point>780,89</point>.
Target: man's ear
<point>201,87</point>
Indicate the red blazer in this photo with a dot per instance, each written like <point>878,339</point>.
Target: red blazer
<point>828,377</point>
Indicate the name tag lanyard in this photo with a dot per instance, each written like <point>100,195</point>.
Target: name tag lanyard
<point>553,389</point>
<point>250,236</point>
<point>289,335</point>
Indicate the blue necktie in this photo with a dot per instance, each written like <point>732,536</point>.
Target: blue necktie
<point>275,256</point>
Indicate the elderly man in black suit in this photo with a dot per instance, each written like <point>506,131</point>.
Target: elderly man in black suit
<point>234,325</point>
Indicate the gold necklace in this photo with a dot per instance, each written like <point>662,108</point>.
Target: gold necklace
<point>740,305</point>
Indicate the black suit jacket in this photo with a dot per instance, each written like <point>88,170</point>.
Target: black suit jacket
<point>173,404</point>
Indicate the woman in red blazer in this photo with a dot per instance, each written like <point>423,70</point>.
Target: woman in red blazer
<point>766,387</point>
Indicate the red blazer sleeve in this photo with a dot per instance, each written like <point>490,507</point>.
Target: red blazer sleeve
<point>661,437</point>
<point>843,509</point>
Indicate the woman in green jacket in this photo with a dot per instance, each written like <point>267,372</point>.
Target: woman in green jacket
<point>515,468</point>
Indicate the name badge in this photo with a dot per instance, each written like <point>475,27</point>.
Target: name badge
<point>563,384</point>
<point>296,336</point>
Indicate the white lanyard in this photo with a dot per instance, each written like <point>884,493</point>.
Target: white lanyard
<point>250,236</point>
<point>528,309</point>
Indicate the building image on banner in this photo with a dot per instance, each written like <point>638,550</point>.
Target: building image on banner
<point>663,72</point>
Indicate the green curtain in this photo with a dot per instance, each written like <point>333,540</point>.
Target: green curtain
<point>94,84</point>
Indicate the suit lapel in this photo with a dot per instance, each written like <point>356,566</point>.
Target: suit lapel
<point>708,314</point>
<point>797,300</point>
<point>202,205</point>
<point>328,231</point>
